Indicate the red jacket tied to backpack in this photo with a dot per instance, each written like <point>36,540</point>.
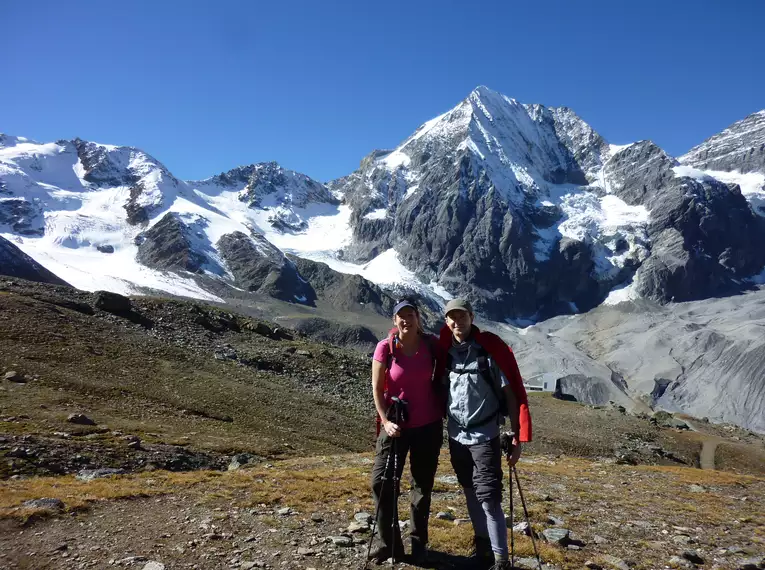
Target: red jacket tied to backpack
<point>503,355</point>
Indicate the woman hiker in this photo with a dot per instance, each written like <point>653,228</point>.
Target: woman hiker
<point>484,386</point>
<point>403,369</point>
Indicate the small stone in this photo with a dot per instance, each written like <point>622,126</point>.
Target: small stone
<point>302,551</point>
<point>597,539</point>
<point>356,526</point>
<point>134,445</point>
<point>696,488</point>
<point>445,516</point>
<point>80,419</point>
<point>341,540</point>
<point>592,565</point>
<point>13,376</point>
<point>448,479</point>
<point>153,565</point>
<point>286,511</point>
<point>677,562</point>
<point>90,474</point>
<point>693,556</point>
<point>522,528</point>
<point>304,353</point>
<point>752,564</point>
<point>682,539</point>
<point>557,535</point>
<point>458,522</point>
<point>317,518</point>
<point>45,503</point>
<point>554,520</point>
<point>363,517</point>
<point>615,562</point>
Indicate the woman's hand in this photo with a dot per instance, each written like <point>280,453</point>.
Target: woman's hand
<point>393,430</point>
<point>513,458</point>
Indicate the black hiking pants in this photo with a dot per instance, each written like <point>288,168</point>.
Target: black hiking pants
<point>423,444</point>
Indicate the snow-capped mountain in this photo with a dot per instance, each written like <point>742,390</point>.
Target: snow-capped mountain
<point>523,208</point>
<point>529,212</point>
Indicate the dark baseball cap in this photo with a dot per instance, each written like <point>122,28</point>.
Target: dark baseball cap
<point>404,303</point>
<point>458,305</point>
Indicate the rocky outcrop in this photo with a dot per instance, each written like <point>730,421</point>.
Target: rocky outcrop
<point>704,236</point>
<point>22,216</point>
<point>168,245</point>
<point>16,263</point>
<point>740,147</point>
<point>258,266</point>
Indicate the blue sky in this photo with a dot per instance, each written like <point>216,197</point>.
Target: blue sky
<point>317,85</point>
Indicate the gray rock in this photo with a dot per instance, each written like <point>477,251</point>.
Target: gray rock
<point>554,520</point>
<point>356,527</point>
<point>739,147</point>
<point>105,248</point>
<point>258,266</point>
<point>614,562</point>
<point>557,535</point>
<point>153,565</point>
<point>522,528</point>
<point>317,517</point>
<point>597,539</point>
<point>693,556</point>
<point>682,539</point>
<point>592,565</point>
<point>45,503</point>
<point>693,488</point>
<point>90,474</point>
<point>13,376</point>
<point>80,419</point>
<point>445,515</point>
<point>753,563</point>
<point>284,511</point>
<point>363,517</point>
<point>239,460</point>
<point>16,263</point>
<point>112,302</point>
<point>678,562</point>
<point>341,540</point>
<point>302,551</point>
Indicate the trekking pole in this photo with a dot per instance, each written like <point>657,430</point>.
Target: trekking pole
<point>377,510</point>
<point>526,513</point>
<point>512,522</point>
<point>394,524</point>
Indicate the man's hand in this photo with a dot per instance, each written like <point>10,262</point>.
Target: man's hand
<point>393,430</point>
<point>513,458</point>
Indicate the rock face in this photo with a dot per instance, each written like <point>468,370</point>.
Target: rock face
<point>511,205</point>
<point>704,236</point>
<point>342,290</point>
<point>258,266</point>
<point>169,245</point>
<point>15,263</point>
<point>739,147</point>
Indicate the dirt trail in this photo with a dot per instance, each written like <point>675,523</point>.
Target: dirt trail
<point>708,448</point>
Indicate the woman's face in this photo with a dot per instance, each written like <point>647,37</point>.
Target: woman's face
<point>407,319</point>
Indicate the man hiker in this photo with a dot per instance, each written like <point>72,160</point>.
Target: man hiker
<point>484,388</point>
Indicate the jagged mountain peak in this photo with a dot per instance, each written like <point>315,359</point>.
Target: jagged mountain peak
<point>740,147</point>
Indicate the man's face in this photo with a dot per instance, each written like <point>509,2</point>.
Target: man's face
<point>459,321</point>
<point>406,319</point>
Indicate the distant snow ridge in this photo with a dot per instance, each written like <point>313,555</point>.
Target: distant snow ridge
<point>524,209</point>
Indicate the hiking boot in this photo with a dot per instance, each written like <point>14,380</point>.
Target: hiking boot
<point>383,553</point>
<point>502,565</point>
<point>419,553</point>
<point>482,556</point>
